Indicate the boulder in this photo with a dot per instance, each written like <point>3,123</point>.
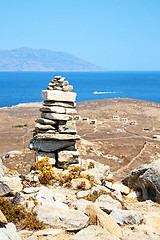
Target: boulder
<point>100,218</point>
<point>8,232</point>
<point>107,203</point>
<point>68,219</point>
<point>10,185</point>
<point>59,96</point>
<point>126,217</point>
<point>94,233</point>
<point>145,180</point>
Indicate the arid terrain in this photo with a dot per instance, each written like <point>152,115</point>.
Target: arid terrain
<point>114,142</point>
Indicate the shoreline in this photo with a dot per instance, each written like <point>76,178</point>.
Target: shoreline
<point>37,104</point>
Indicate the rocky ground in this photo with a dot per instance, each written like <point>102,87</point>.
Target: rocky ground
<point>86,209</point>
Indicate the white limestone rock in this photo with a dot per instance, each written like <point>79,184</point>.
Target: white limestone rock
<point>10,185</point>
<point>68,219</point>
<point>8,232</point>
<point>56,95</point>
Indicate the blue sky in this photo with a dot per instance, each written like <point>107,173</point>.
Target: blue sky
<point>115,34</point>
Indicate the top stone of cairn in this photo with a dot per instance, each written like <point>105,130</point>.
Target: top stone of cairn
<point>59,90</point>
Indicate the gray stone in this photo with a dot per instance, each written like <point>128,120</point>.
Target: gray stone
<point>10,185</point>
<point>56,116</point>
<point>145,180</point>
<point>57,136</point>
<point>67,127</point>
<point>56,95</point>
<point>68,219</point>
<point>60,104</point>
<point>93,232</point>
<point>57,109</point>
<point>8,232</point>
<point>67,157</point>
<point>51,156</point>
<point>126,217</point>
<point>51,145</point>
<point>46,121</point>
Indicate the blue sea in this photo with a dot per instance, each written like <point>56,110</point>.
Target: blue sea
<point>24,87</point>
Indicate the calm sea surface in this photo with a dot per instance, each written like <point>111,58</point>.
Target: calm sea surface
<point>23,87</point>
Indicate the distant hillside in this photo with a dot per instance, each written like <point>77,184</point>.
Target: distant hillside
<point>28,59</point>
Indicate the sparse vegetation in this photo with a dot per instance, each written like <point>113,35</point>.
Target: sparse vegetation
<point>19,216</point>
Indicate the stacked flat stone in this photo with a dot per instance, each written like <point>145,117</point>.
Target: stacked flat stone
<point>55,131</point>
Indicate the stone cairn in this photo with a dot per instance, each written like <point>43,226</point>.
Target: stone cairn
<point>55,131</point>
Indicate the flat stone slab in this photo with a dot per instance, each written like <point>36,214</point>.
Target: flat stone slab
<point>56,95</point>
<point>57,109</point>
<point>67,127</point>
<point>60,104</point>
<point>51,145</point>
<point>68,219</point>
<point>56,116</point>
<point>46,121</point>
<point>39,126</point>
<point>57,136</point>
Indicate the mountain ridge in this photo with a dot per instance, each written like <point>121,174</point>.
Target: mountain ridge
<point>29,59</point>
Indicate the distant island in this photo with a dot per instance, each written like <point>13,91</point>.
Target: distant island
<point>28,59</point>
